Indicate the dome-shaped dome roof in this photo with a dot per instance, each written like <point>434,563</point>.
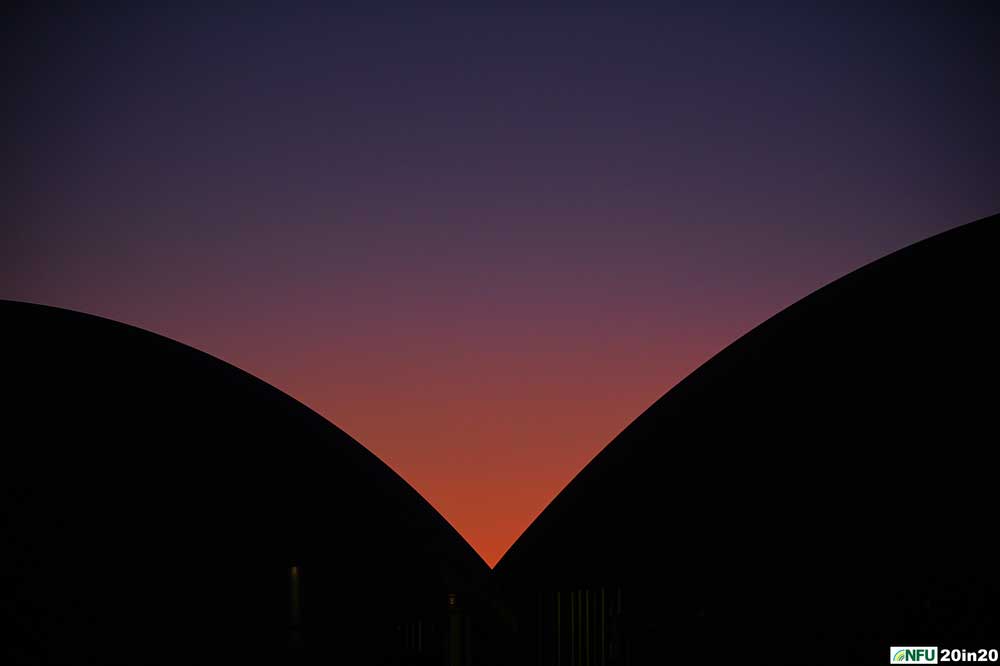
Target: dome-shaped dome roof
<point>164,506</point>
<point>820,490</point>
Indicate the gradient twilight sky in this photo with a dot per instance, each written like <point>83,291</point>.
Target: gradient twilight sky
<point>482,242</point>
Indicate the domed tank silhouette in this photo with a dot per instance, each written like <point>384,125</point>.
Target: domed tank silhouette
<point>162,506</point>
<point>822,489</point>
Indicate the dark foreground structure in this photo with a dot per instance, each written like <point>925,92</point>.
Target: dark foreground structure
<point>819,491</point>
<point>822,489</point>
<point>161,506</point>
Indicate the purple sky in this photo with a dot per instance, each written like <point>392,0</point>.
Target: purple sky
<point>483,242</point>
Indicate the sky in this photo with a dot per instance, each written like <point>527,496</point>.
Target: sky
<point>482,242</point>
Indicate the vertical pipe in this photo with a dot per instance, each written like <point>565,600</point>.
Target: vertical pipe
<point>540,628</point>
<point>572,627</point>
<point>588,626</point>
<point>623,637</point>
<point>604,650</point>
<point>558,628</point>
<point>468,640</point>
<point>295,607</point>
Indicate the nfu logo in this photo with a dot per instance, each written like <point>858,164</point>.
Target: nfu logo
<point>913,655</point>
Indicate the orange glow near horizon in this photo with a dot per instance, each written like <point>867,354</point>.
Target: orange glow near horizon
<point>486,443</point>
<point>480,242</point>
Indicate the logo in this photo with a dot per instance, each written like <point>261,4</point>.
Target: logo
<point>913,655</point>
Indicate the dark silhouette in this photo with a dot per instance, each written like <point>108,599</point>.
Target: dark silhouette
<point>162,506</point>
<point>820,490</point>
